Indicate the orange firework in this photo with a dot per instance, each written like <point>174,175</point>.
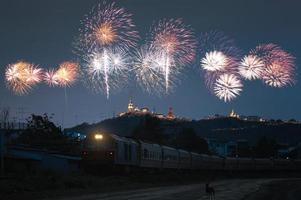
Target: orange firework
<point>105,34</point>
<point>22,76</point>
<point>67,73</point>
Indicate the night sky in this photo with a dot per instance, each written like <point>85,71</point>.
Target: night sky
<point>42,31</point>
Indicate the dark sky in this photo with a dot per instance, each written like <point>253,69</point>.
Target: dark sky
<point>42,31</point>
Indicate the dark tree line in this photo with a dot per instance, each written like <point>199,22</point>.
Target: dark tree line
<point>151,129</point>
<point>43,134</point>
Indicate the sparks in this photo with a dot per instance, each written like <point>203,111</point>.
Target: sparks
<point>227,87</point>
<point>214,61</point>
<point>22,76</point>
<point>251,67</point>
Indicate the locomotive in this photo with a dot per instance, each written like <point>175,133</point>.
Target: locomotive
<point>114,150</point>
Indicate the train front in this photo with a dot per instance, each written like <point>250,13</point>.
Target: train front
<point>99,148</point>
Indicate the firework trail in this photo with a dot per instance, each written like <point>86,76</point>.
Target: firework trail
<point>22,76</point>
<point>170,46</point>
<point>105,29</point>
<point>227,87</point>
<point>279,66</point>
<point>106,70</point>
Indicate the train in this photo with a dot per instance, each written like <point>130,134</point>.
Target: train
<point>113,150</point>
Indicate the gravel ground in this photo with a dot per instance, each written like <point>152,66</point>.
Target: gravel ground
<point>278,190</point>
<point>225,190</point>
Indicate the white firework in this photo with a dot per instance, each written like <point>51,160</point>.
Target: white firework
<point>227,87</point>
<point>150,70</point>
<point>251,67</point>
<point>214,61</point>
<point>106,69</point>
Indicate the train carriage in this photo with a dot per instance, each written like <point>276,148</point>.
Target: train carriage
<point>283,164</point>
<point>196,160</point>
<point>184,159</point>
<point>216,163</point>
<point>150,155</point>
<point>109,149</point>
<point>230,163</point>
<point>245,164</point>
<point>263,164</point>
<point>170,157</point>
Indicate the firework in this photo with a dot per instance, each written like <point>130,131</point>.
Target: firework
<point>108,25</point>
<point>279,67</point>
<point>108,31</point>
<point>22,76</point>
<point>251,67</point>
<point>65,75</point>
<point>214,61</point>
<point>227,87</point>
<point>219,56</point>
<point>106,70</point>
<point>174,45</point>
<point>149,71</point>
<point>50,77</point>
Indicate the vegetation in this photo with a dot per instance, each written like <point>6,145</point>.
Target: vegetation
<point>188,139</point>
<point>265,148</point>
<point>150,129</point>
<point>44,134</point>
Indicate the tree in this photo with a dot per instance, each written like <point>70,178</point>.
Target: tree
<point>188,140</point>
<point>265,148</point>
<point>149,129</point>
<point>42,133</point>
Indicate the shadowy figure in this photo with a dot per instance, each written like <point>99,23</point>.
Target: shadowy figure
<point>210,191</point>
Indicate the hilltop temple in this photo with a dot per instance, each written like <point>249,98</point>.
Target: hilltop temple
<point>132,109</point>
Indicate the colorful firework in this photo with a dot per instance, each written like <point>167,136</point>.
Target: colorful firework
<point>107,25</point>
<point>107,29</point>
<point>251,67</point>
<point>279,66</point>
<point>66,74</point>
<point>175,44</point>
<point>227,87</point>
<point>22,76</point>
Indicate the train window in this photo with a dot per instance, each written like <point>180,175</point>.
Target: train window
<point>125,150</point>
<point>145,153</point>
<point>130,152</point>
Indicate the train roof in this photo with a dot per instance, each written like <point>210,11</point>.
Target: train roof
<point>123,139</point>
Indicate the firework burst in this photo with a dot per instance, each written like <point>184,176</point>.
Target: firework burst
<point>279,67</point>
<point>149,72</point>
<point>107,30</point>
<point>107,25</point>
<point>214,61</point>
<point>50,77</point>
<point>66,74</point>
<point>227,87</point>
<point>219,56</point>
<point>251,67</point>
<point>173,44</point>
<point>106,70</point>
<point>22,76</point>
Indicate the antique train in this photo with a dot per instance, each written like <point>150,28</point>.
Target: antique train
<point>109,149</point>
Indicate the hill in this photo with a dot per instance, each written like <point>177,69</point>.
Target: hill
<point>225,129</point>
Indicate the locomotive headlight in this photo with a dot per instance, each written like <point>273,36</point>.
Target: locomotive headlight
<point>98,136</point>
